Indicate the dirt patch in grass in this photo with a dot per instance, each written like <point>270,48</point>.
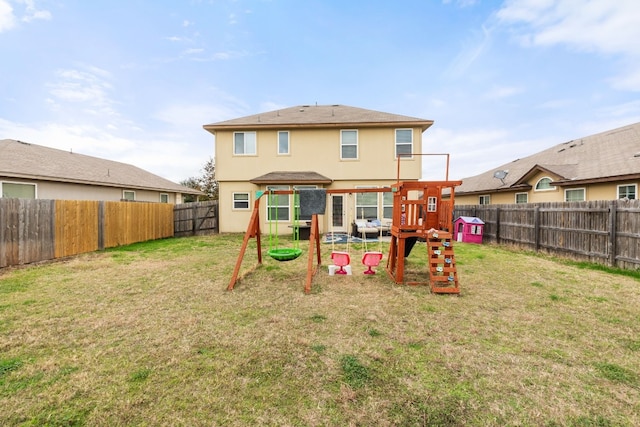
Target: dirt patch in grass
<point>148,334</point>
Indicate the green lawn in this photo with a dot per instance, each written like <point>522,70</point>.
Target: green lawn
<point>148,335</point>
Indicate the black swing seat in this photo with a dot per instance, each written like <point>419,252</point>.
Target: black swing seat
<point>284,254</point>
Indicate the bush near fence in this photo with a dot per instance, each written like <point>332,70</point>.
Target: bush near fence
<point>604,231</point>
<point>40,230</point>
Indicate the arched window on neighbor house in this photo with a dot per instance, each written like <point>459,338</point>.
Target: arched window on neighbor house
<point>544,184</point>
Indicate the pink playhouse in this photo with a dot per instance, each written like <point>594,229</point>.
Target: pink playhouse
<point>468,229</point>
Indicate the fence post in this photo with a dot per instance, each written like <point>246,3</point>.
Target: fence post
<point>497,224</point>
<point>101,220</point>
<point>613,227</point>
<point>194,217</point>
<point>536,227</point>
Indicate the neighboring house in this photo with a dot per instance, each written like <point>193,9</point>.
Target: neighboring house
<point>37,172</point>
<point>313,146</point>
<point>605,166</point>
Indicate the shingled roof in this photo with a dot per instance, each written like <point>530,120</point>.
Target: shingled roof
<point>319,116</point>
<point>309,177</point>
<point>609,156</point>
<point>30,161</point>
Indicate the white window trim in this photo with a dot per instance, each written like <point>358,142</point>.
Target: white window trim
<point>288,143</point>
<point>488,196</point>
<point>233,201</point>
<point>584,193</point>
<point>535,187</point>
<point>128,191</point>
<point>164,194</point>
<point>355,201</point>
<point>284,187</point>
<point>395,147</point>
<point>35,190</point>
<point>357,144</point>
<point>432,204</point>
<point>245,144</point>
<point>635,186</point>
<point>515,197</point>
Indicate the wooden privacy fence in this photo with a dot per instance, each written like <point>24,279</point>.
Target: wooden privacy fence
<point>197,218</point>
<point>603,231</point>
<point>39,230</point>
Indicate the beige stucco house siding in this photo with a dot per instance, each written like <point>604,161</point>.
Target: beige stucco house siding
<point>314,149</point>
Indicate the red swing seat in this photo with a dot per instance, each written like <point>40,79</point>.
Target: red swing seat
<point>371,259</point>
<point>341,259</point>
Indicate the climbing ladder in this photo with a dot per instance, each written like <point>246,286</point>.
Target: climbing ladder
<point>443,276</point>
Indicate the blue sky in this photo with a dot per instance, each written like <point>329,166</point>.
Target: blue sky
<point>134,81</point>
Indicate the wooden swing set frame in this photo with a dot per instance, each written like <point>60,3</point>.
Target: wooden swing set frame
<point>412,218</point>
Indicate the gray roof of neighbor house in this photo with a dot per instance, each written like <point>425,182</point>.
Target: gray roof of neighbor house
<point>30,161</point>
<point>319,116</point>
<point>609,156</point>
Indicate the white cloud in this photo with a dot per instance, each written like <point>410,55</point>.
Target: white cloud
<point>499,92</point>
<point>470,53</point>
<point>601,26</point>
<point>473,151</point>
<point>88,87</point>
<point>7,18</point>
<point>32,12</point>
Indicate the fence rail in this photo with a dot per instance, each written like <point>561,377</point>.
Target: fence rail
<point>39,230</point>
<point>605,231</point>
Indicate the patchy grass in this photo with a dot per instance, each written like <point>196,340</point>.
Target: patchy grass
<point>147,334</point>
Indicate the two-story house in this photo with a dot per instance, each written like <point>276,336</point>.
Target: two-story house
<point>313,146</point>
<point>604,166</point>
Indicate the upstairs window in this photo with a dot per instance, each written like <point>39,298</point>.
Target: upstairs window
<point>244,144</point>
<point>629,191</point>
<point>283,142</point>
<point>348,144</point>
<point>544,184</point>
<point>404,143</point>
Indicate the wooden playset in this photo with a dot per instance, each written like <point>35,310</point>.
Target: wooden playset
<point>422,211</point>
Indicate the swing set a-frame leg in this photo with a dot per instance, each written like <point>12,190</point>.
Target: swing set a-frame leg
<point>253,230</point>
<point>314,244</point>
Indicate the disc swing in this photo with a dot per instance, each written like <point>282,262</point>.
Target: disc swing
<point>276,252</point>
<point>371,258</point>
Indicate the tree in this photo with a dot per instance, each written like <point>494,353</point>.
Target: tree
<point>206,183</point>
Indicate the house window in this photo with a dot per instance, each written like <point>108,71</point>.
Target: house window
<point>244,143</point>
<point>128,195</point>
<point>404,143</point>
<point>164,198</point>
<point>296,202</point>
<point>17,190</point>
<point>522,198</point>
<point>283,142</point>
<point>432,204</point>
<point>348,144</point>
<point>484,200</point>
<point>387,204</point>
<point>277,204</point>
<point>544,184</point>
<point>241,201</point>
<point>366,205</point>
<point>629,191</point>
<point>574,195</point>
